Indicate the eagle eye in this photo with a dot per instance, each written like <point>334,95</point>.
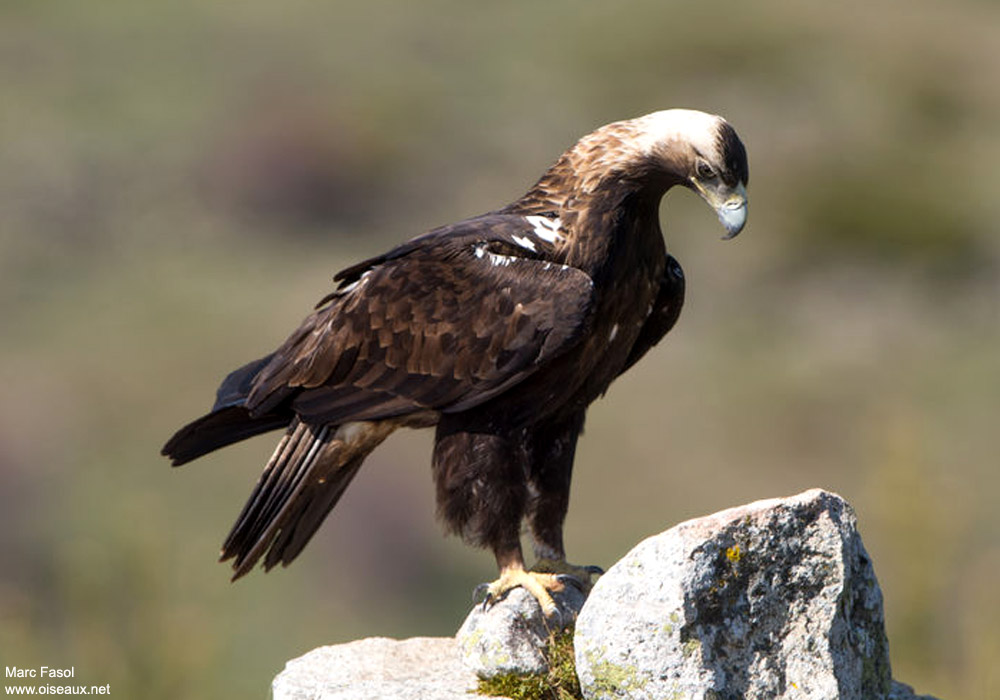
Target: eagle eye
<point>705,171</point>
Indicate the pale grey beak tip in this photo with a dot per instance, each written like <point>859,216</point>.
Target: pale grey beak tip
<point>733,218</point>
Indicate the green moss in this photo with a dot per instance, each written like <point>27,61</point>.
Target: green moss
<point>559,683</point>
<point>511,685</point>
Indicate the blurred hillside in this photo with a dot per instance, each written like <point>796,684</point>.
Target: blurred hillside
<point>180,180</point>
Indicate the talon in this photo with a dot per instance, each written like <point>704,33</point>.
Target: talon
<point>539,585</point>
<point>574,581</point>
<point>579,576</point>
<point>482,590</point>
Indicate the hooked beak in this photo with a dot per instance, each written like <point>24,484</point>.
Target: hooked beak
<point>729,204</point>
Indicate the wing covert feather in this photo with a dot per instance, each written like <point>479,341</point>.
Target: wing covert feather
<point>445,326</point>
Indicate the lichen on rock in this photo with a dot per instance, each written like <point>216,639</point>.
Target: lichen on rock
<point>774,599</point>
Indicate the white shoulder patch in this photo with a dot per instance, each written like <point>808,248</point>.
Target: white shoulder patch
<point>494,258</point>
<point>346,289</point>
<point>525,242</point>
<point>545,228</point>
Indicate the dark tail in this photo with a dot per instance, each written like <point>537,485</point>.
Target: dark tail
<point>216,430</point>
<point>305,477</point>
<point>229,420</point>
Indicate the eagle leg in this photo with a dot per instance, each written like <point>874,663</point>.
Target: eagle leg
<point>539,584</point>
<point>551,447</point>
<point>579,576</point>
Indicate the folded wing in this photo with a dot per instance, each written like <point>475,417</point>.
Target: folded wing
<point>444,323</point>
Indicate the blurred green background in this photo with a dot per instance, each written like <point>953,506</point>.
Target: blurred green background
<point>179,181</point>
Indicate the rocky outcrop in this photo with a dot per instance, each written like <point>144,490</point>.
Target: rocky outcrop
<point>775,599</point>
<point>511,637</point>
<point>387,669</point>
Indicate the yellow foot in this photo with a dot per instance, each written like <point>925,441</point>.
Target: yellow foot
<point>580,576</point>
<point>536,583</point>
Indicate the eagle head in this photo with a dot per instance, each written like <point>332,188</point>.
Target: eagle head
<point>699,151</point>
<point>672,147</point>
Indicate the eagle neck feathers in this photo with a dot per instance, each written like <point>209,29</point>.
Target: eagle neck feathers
<point>600,220</point>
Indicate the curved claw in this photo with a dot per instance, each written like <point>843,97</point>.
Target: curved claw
<point>537,584</point>
<point>556,617</point>
<point>572,580</point>
<point>580,577</point>
<point>481,593</point>
<point>580,584</point>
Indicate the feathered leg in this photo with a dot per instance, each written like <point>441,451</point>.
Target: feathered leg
<point>481,492</point>
<point>481,496</point>
<point>551,448</point>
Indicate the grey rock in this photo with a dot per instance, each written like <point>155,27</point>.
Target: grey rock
<point>378,669</point>
<point>511,636</point>
<point>775,599</point>
<point>901,691</point>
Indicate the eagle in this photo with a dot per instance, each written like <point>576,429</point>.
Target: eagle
<point>498,332</point>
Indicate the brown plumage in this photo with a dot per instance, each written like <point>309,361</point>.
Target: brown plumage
<point>498,330</point>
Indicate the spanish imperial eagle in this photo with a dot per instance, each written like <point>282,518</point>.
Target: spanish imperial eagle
<point>498,331</point>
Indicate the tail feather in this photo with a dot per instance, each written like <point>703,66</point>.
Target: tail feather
<point>273,487</point>
<point>304,479</point>
<point>312,510</point>
<point>218,429</point>
<point>229,421</point>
